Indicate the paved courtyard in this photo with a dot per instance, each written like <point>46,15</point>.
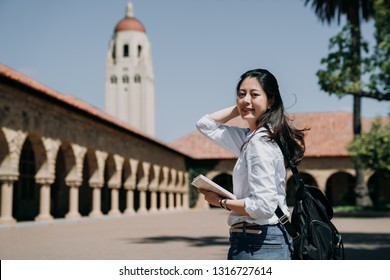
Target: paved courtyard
<point>184,235</point>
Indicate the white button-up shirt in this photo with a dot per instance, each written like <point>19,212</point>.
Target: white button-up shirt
<point>259,174</point>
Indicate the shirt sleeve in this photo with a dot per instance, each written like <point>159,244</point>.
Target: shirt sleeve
<point>230,138</point>
<point>262,200</point>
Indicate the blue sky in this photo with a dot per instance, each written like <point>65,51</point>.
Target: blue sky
<point>199,50</point>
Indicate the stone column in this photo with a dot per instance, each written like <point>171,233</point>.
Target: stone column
<point>186,199</point>
<point>153,187</point>
<point>129,202</point>
<point>10,171</point>
<point>74,180</point>
<point>178,192</point>
<point>178,201</point>
<point>171,190</point>
<point>73,200</point>
<point>114,211</point>
<point>130,185</point>
<point>320,176</point>
<point>44,202</point>
<point>97,182</point>
<point>163,200</point>
<point>7,199</point>
<point>186,203</point>
<point>46,175</point>
<point>114,184</point>
<point>163,188</point>
<point>142,187</point>
<point>96,202</point>
<point>142,202</point>
<point>153,202</point>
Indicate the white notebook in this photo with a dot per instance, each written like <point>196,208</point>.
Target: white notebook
<point>202,182</point>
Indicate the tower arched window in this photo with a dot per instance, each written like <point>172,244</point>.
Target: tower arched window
<point>139,50</point>
<point>113,52</point>
<point>126,50</point>
<point>125,79</point>
<point>137,79</point>
<point>114,79</point>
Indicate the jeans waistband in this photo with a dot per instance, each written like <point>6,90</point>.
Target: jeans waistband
<point>248,228</point>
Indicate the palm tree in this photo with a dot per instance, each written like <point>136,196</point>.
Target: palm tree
<point>355,11</point>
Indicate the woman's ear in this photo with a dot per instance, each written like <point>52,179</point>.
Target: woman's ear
<point>270,103</point>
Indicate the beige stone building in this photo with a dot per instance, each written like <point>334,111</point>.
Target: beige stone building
<point>61,158</point>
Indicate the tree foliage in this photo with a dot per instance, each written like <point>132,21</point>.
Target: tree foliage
<point>342,67</point>
<point>380,61</point>
<point>372,149</point>
<point>339,77</point>
<point>350,67</point>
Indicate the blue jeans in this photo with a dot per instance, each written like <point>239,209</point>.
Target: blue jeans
<point>273,243</point>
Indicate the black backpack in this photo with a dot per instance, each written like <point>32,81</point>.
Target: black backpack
<point>314,235</point>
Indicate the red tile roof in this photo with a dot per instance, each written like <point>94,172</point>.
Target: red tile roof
<point>328,136</point>
<point>129,24</point>
<point>43,91</point>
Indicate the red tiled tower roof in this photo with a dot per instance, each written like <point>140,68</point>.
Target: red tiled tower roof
<point>129,24</point>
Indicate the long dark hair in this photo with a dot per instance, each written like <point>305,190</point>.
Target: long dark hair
<point>274,120</point>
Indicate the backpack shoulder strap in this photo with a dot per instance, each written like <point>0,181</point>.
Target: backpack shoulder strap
<point>283,219</point>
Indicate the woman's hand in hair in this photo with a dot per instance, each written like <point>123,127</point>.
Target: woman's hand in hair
<point>225,115</point>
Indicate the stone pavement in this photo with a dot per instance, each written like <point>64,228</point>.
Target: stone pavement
<point>184,235</point>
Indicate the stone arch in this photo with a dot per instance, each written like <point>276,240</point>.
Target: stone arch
<point>41,162</point>
<point>85,193</point>
<point>379,188</point>
<point>292,186</point>
<point>225,180</point>
<point>109,171</point>
<point>59,193</point>
<point>26,191</point>
<point>339,189</point>
<point>5,154</point>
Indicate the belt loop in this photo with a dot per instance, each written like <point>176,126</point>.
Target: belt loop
<point>244,228</point>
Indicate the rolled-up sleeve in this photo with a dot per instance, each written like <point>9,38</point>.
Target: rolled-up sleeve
<point>228,137</point>
<point>262,200</point>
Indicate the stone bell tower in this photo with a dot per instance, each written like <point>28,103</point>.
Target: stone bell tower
<point>129,75</point>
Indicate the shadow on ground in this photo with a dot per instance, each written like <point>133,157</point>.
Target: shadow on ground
<point>357,246</point>
<point>366,246</point>
<point>191,241</point>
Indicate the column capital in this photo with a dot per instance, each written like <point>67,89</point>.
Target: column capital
<point>73,183</point>
<point>44,180</point>
<point>9,177</point>
<point>96,184</point>
<point>114,185</point>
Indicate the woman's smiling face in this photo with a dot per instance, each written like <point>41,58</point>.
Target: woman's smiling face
<point>252,101</point>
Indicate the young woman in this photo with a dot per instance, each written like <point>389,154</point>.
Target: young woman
<point>259,173</point>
